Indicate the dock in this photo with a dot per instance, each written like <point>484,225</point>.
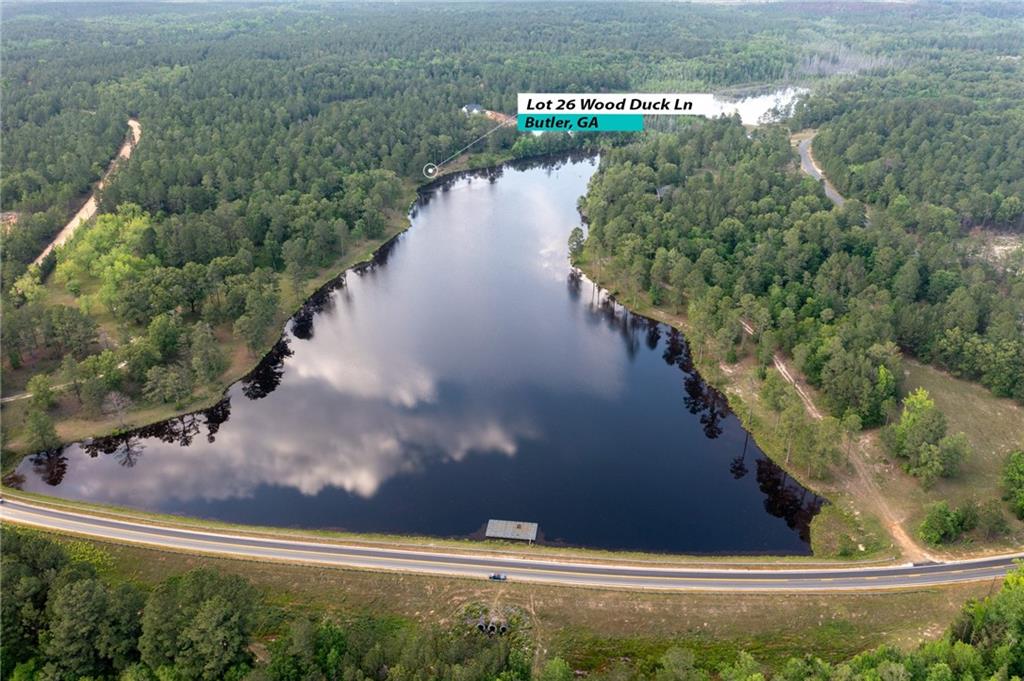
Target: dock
<point>511,529</point>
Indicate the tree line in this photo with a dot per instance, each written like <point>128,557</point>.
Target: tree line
<point>243,98</point>
<point>715,220</point>
<point>63,620</point>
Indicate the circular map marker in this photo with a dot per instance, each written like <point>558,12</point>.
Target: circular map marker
<point>430,170</point>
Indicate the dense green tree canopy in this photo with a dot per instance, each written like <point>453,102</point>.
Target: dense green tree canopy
<point>743,235</point>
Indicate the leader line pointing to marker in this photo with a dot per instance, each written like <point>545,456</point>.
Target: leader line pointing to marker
<point>431,170</point>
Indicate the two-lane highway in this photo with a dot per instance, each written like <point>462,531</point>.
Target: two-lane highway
<point>540,569</point>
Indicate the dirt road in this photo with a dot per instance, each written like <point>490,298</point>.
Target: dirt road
<point>863,482</point>
<point>783,369</point>
<point>90,206</point>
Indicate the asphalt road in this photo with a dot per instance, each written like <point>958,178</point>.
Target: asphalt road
<point>810,167</point>
<point>546,569</point>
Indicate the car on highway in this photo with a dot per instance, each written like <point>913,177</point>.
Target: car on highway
<point>498,577</point>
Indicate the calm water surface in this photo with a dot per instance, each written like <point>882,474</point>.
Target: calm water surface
<point>467,374</point>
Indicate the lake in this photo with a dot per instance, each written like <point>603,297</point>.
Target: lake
<point>760,108</point>
<point>467,373</point>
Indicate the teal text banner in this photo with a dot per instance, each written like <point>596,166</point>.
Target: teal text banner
<point>583,122</point>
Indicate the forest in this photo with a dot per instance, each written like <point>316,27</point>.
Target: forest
<point>282,141</point>
<point>64,620</point>
<point>280,104</point>
<point>714,220</point>
<point>734,236</point>
<point>278,143</point>
<point>943,159</point>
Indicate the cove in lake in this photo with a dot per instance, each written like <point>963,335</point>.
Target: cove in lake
<point>760,108</point>
<point>467,373</point>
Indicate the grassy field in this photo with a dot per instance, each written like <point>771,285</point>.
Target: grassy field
<point>993,426</point>
<point>586,626</point>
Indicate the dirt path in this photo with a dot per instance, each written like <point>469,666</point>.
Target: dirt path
<point>780,364</point>
<point>783,369</point>
<point>59,386</point>
<point>863,485</point>
<point>866,489</point>
<point>24,396</point>
<point>90,206</point>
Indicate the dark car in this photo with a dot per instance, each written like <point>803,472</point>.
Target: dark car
<point>498,577</point>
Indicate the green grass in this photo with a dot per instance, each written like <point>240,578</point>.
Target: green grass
<point>993,426</point>
<point>415,541</point>
<point>72,426</point>
<point>837,532</point>
<point>833,641</point>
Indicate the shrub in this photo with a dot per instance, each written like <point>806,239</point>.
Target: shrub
<point>919,438</point>
<point>967,517</point>
<point>943,525</point>
<point>938,525</point>
<point>1013,481</point>
<point>991,521</point>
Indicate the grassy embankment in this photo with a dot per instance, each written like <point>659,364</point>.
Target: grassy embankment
<point>588,627</point>
<point>423,542</point>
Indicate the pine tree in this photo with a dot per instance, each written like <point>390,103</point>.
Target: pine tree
<point>41,433</point>
<point>208,360</point>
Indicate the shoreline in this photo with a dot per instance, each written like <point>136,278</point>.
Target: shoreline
<point>325,285</point>
<point>655,315</point>
<point>312,302</point>
<point>506,548</point>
